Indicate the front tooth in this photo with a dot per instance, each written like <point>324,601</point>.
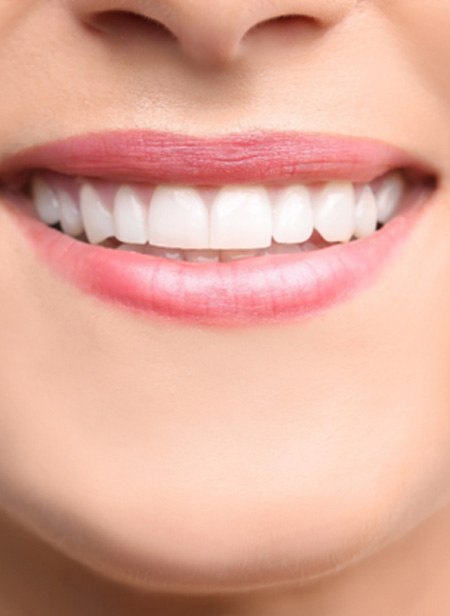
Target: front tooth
<point>365,213</point>
<point>389,196</point>
<point>97,219</point>
<point>241,218</point>
<point>334,212</point>
<point>46,201</point>
<point>293,221</point>
<point>71,222</point>
<point>130,217</point>
<point>178,218</point>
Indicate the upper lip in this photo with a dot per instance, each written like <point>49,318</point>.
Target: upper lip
<point>261,156</point>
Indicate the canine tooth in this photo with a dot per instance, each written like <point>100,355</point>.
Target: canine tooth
<point>178,218</point>
<point>71,222</point>
<point>130,217</point>
<point>293,215</point>
<point>389,196</point>
<point>97,219</point>
<point>365,213</point>
<point>241,218</point>
<point>334,215</point>
<point>46,201</point>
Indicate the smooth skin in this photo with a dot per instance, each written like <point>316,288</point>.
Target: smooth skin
<point>153,467</point>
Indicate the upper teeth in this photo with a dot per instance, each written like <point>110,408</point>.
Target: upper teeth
<point>235,217</point>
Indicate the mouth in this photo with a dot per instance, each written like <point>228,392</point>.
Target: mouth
<point>225,231</point>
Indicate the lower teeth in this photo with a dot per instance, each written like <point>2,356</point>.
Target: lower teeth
<point>213,256</point>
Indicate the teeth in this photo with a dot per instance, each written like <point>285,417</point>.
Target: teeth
<point>97,219</point>
<point>46,201</point>
<point>166,253</point>
<point>71,222</point>
<point>241,216</point>
<point>141,248</point>
<point>334,213</point>
<point>235,255</point>
<point>178,218</point>
<point>282,249</point>
<point>130,217</point>
<point>293,221</point>
<point>201,256</point>
<point>365,213</point>
<point>389,196</point>
<point>309,246</point>
<point>209,225</point>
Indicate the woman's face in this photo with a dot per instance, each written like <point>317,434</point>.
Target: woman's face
<point>180,454</point>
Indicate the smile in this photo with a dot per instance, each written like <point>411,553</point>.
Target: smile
<point>225,231</point>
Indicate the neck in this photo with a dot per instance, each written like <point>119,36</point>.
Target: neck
<point>410,572</point>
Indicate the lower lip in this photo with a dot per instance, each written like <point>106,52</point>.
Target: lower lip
<point>269,289</point>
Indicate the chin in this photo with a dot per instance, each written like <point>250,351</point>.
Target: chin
<point>216,539</point>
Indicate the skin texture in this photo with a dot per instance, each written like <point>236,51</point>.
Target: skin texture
<point>154,467</point>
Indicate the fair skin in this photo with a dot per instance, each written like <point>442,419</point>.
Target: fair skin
<point>304,467</point>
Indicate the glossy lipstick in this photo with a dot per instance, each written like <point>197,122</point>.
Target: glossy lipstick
<point>265,289</point>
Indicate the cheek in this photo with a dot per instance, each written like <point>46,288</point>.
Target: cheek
<point>423,29</point>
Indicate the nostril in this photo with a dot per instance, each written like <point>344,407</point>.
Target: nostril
<point>119,23</point>
<point>289,19</point>
<point>285,24</point>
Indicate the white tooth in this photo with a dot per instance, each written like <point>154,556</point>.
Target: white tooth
<point>201,256</point>
<point>365,213</point>
<point>71,222</point>
<point>46,201</point>
<point>334,212</point>
<point>293,221</point>
<point>97,219</point>
<point>178,218</point>
<point>241,217</point>
<point>389,196</point>
<point>130,217</point>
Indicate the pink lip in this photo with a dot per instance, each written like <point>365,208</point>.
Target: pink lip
<point>156,157</point>
<point>259,290</point>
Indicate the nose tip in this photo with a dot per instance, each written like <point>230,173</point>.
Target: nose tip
<point>210,32</point>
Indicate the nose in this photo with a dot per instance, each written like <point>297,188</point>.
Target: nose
<point>211,31</point>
